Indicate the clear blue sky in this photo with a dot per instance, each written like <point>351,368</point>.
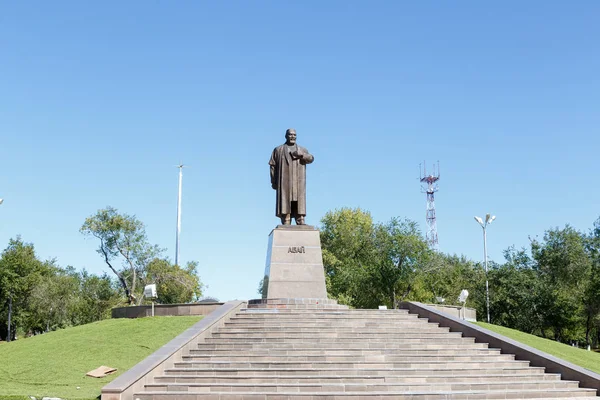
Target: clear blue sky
<point>99,101</point>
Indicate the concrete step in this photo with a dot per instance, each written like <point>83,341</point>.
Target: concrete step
<point>332,325</point>
<point>425,336</point>
<point>299,307</point>
<point>267,325</point>
<point>321,313</point>
<point>348,358</point>
<point>333,316</point>
<point>321,321</point>
<point>274,372</point>
<point>554,394</point>
<point>347,352</point>
<point>356,345</point>
<point>293,300</point>
<point>356,387</point>
<point>317,334</point>
<point>314,353</point>
<point>292,322</point>
<point>328,307</point>
<point>325,311</point>
<point>275,319</point>
<point>319,316</point>
<point>332,329</point>
<point>333,311</point>
<point>340,339</point>
<point>325,365</point>
<point>329,322</point>
<point>367,379</point>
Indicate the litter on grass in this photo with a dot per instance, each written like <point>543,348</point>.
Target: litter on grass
<point>101,372</point>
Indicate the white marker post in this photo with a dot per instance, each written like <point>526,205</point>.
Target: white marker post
<point>180,166</point>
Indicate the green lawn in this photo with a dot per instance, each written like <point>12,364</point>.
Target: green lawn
<point>54,364</point>
<point>583,358</point>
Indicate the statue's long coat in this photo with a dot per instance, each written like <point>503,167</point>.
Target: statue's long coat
<point>281,178</point>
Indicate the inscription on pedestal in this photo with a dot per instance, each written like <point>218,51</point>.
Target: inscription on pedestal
<point>296,249</point>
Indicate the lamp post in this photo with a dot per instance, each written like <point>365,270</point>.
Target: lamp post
<point>488,220</point>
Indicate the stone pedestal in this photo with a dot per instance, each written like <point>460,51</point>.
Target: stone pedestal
<point>294,267</point>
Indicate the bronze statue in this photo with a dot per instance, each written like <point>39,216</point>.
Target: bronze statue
<point>288,178</point>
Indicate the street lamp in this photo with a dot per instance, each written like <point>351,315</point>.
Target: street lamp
<point>1,200</point>
<point>488,220</point>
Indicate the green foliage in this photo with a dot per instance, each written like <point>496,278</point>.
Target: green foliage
<point>444,276</point>
<point>55,364</point>
<point>347,240</point>
<point>561,257</point>
<point>591,294</point>
<point>174,283</point>
<point>53,301</point>
<point>551,289</point>
<point>263,287</point>
<point>123,241</point>
<point>97,296</point>
<point>46,297</point>
<point>20,273</point>
<point>516,295</point>
<point>401,256</point>
<point>563,270</point>
<point>369,264</point>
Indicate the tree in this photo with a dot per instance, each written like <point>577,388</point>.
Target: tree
<point>97,296</point>
<point>122,237</point>
<point>444,276</point>
<point>53,300</point>
<point>20,272</point>
<point>174,284</point>
<point>592,291</point>
<point>563,267</point>
<point>401,256</point>
<point>517,294</point>
<point>347,240</point>
<point>368,264</point>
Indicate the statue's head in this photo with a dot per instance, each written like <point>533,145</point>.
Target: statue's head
<point>290,136</point>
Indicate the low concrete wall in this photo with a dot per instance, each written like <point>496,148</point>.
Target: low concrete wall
<point>162,310</point>
<point>466,313</point>
<point>537,358</point>
<point>133,380</point>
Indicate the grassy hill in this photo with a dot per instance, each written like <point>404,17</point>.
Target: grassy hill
<point>586,359</point>
<point>54,364</point>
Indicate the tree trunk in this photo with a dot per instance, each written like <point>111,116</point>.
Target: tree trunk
<point>120,276</point>
<point>133,282</point>
<point>394,299</point>
<point>9,317</point>
<point>588,328</point>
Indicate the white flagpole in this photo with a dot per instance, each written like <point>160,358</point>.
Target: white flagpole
<point>180,166</point>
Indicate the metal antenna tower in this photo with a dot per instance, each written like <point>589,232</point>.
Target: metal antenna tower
<point>180,166</point>
<point>430,186</point>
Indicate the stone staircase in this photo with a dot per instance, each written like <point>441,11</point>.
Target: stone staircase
<point>331,353</point>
